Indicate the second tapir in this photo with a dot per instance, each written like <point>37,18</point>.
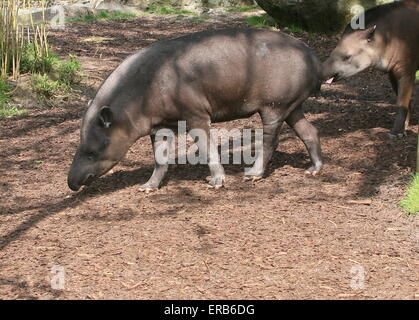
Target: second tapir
<point>205,77</point>
<point>390,43</point>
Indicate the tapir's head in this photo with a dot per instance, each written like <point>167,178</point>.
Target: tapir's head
<point>104,141</point>
<point>356,51</point>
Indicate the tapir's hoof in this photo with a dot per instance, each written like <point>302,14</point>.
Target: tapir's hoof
<point>252,178</point>
<point>312,172</point>
<point>147,188</point>
<point>397,135</point>
<point>216,183</point>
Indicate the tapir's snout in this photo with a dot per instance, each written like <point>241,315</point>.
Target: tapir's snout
<point>80,173</point>
<point>73,186</point>
<point>72,182</point>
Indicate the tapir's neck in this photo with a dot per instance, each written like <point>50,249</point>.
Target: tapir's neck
<point>139,125</point>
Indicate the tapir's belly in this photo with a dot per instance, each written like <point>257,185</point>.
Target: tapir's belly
<point>233,112</point>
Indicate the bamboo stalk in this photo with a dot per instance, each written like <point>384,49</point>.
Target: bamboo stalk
<point>15,39</point>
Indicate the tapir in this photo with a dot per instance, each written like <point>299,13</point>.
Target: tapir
<point>201,78</point>
<point>390,43</point>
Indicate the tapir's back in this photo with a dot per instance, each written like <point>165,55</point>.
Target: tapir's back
<point>227,71</point>
<point>236,64</point>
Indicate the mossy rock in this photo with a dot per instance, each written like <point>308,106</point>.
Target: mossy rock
<point>325,16</point>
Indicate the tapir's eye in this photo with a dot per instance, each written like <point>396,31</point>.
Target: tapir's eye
<point>91,156</point>
<point>346,57</point>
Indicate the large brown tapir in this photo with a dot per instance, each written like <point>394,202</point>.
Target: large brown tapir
<point>389,42</point>
<point>202,78</point>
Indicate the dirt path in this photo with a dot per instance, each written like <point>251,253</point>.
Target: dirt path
<point>285,237</point>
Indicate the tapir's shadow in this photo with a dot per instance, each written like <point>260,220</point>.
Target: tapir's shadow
<point>185,172</point>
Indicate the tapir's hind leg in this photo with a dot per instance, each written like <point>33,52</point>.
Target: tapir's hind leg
<point>160,166</point>
<point>308,134</point>
<point>272,123</point>
<point>403,86</point>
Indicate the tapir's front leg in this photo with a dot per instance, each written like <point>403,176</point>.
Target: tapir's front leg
<point>403,86</point>
<point>160,166</point>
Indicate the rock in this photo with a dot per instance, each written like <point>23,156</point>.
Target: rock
<point>66,9</point>
<point>23,94</point>
<point>315,15</point>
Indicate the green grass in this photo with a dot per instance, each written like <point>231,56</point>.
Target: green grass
<point>67,71</point>
<point>5,109</point>
<point>261,21</point>
<point>201,18</point>
<point>58,82</point>
<point>265,21</point>
<point>417,77</point>
<point>163,10</point>
<point>411,202</point>
<point>11,111</point>
<point>113,15</point>
<point>50,84</point>
<point>5,89</point>
<point>34,63</point>
<point>46,88</point>
<point>294,29</point>
<point>242,9</point>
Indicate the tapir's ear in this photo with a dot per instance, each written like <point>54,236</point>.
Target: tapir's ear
<point>105,117</point>
<point>370,33</point>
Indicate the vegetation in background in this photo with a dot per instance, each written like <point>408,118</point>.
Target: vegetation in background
<point>5,89</point>
<point>261,21</point>
<point>243,8</point>
<point>293,28</point>
<point>112,15</point>
<point>31,62</point>
<point>200,18</point>
<point>56,84</point>
<point>45,87</point>
<point>411,202</point>
<point>24,49</point>
<point>67,71</point>
<point>5,109</point>
<point>417,76</point>
<point>15,38</point>
<point>162,10</point>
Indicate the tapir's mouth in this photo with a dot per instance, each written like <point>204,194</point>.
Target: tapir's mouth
<point>76,186</point>
<point>89,179</point>
<point>333,79</point>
